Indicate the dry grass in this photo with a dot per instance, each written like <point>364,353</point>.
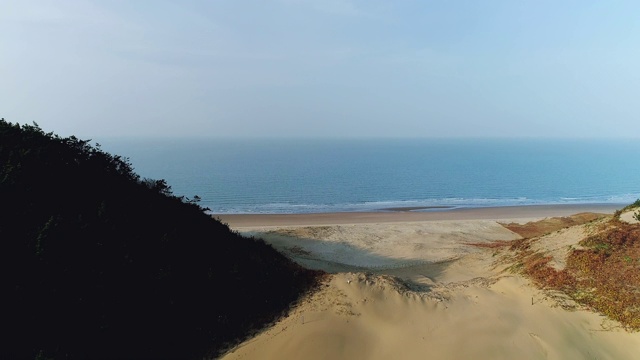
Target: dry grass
<point>607,272</point>
<point>492,245</point>
<point>539,228</point>
<point>604,275</point>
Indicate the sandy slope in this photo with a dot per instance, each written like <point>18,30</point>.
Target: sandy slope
<point>427,294</point>
<point>630,216</point>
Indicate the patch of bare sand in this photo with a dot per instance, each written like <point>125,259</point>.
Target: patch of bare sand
<point>630,216</point>
<point>418,290</point>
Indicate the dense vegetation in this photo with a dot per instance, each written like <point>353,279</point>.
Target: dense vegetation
<point>100,263</point>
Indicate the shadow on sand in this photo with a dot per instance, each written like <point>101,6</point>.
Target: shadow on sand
<point>344,257</point>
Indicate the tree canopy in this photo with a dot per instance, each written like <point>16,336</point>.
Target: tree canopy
<point>98,262</point>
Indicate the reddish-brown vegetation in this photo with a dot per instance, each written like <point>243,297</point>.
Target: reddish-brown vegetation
<point>539,228</point>
<point>491,245</point>
<point>604,275</point>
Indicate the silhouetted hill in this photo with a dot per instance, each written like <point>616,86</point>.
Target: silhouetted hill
<point>99,263</point>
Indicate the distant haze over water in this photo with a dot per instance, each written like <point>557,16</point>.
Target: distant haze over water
<point>302,176</point>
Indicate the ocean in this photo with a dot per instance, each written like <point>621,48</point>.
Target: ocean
<point>307,176</point>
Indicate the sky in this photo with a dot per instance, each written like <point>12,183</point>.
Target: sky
<point>322,68</point>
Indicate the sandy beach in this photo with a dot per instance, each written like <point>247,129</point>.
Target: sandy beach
<point>409,215</point>
<point>414,285</point>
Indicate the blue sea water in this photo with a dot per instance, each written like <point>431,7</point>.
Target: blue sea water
<point>302,176</point>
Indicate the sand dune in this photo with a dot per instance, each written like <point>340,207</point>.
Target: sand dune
<point>418,290</point>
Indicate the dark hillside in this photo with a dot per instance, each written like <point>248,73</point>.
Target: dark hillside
<point>99,263</point>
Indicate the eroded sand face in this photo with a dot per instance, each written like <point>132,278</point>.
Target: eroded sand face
<point>418,290</point>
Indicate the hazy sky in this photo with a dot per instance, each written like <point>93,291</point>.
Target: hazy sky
<point>322,67</point>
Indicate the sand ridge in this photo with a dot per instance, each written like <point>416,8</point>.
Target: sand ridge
<point>356,316</point>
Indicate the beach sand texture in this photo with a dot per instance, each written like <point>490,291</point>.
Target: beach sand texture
<point>419,290</point>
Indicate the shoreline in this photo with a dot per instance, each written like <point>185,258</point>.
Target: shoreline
<point>410,215</point>
<point>418,208</point>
